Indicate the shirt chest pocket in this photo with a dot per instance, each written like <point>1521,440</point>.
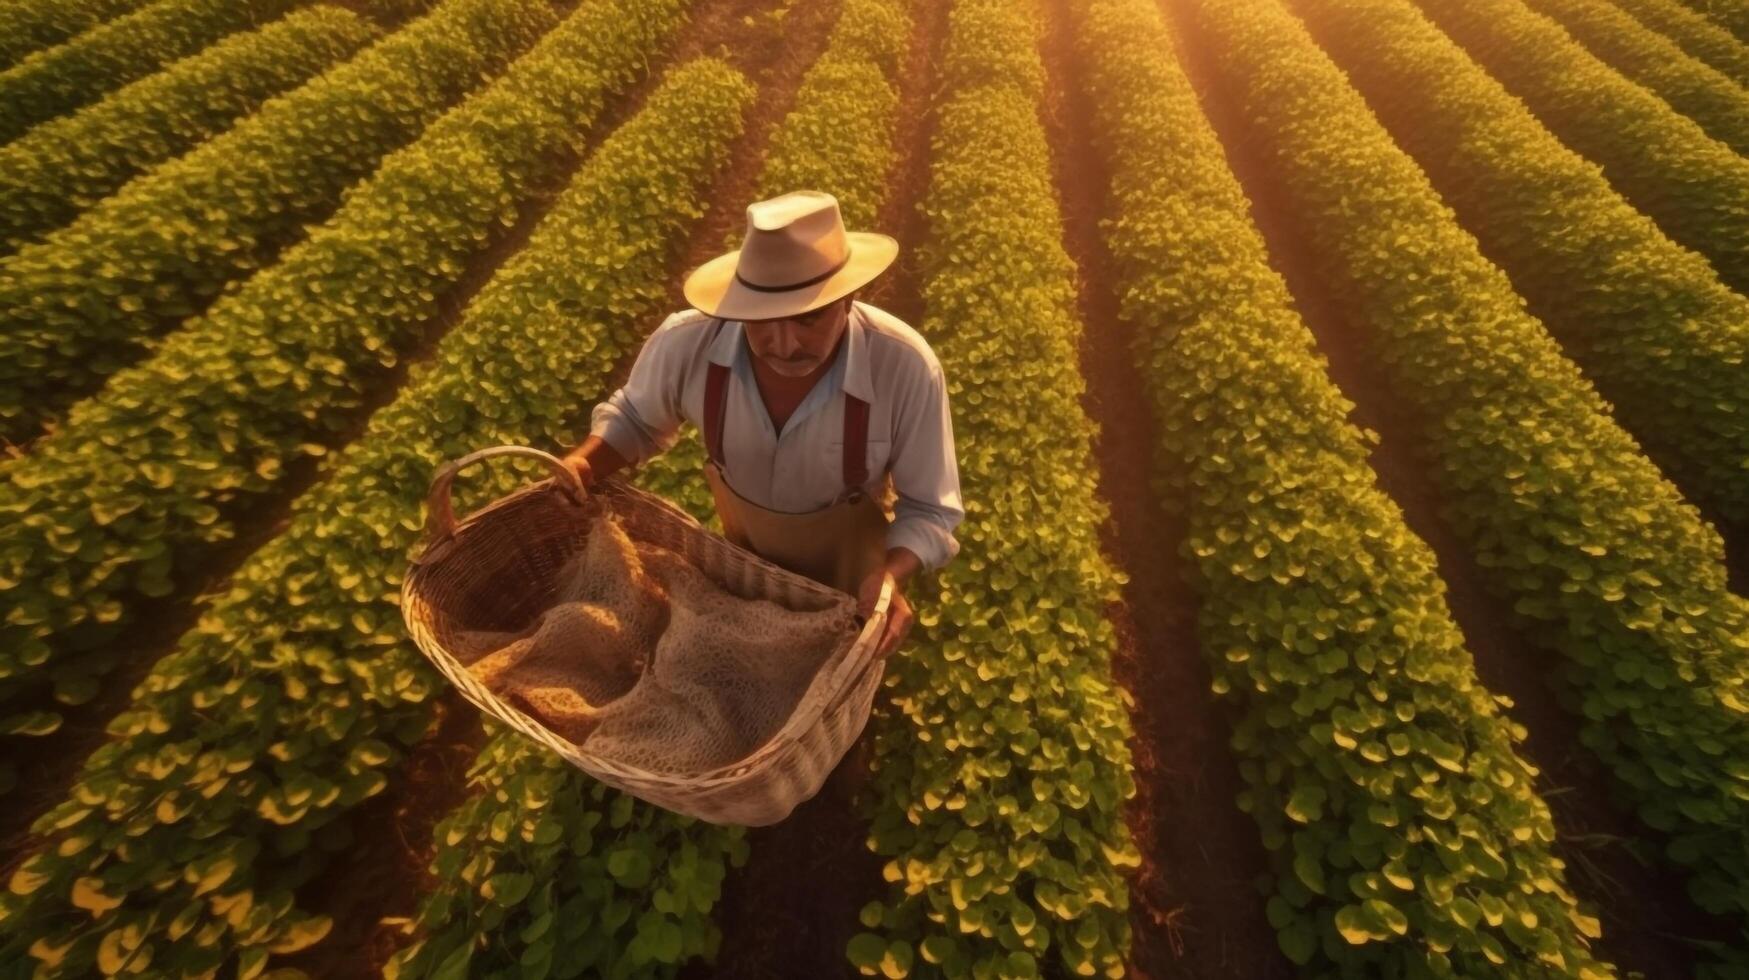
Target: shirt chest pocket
<point>879,454</point>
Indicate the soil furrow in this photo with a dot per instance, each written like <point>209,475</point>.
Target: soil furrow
<point>1196,911</point>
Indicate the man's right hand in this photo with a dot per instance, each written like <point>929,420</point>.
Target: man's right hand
<point>579,464</point>
<point>595,460</point>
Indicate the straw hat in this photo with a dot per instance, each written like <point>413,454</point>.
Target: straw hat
<point>795,257</point>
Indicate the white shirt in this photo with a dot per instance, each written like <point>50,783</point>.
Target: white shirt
<point>882,361</point>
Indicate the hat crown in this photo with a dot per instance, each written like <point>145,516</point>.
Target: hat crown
<point>792,239</point>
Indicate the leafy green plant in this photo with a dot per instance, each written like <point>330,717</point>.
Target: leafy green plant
<point>248,750</point>
<point>1648,320</point>
<point>1695,187</point>
<point>394,11</point>
<point>27,26</point>
<point>549,873</point>
<point>1406,833</point>
<point>63,78</point>
<point>276,369</point>
<point>1605,565</point>
<point>1001,769</point>
<point>1691,86</point>
<point>1700,37</point>
<point>1728,14</point>
<point>839,134</point>
<point>63,166</point>
<point>85,301</point>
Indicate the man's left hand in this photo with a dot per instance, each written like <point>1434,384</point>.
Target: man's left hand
<point>898,610</point>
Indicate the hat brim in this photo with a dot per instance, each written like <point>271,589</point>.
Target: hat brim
<point>713,289</point>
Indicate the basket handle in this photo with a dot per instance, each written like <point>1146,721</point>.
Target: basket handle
<point>439,512</point>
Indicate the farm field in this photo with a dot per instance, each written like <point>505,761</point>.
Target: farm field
<point>1350,398</point>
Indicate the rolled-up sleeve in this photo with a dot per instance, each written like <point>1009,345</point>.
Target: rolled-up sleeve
<point>925,472</point>
<point>642,419</point>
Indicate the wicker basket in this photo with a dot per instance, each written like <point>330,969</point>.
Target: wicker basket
<point>497,569</point>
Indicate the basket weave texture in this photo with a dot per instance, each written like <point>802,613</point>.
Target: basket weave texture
<point>501,568</point>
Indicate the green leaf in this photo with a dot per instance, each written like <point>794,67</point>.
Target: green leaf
<point>1352,925</point>
<point>302,934</point>
<point>32,723</point>
<point>1310,871</point>
<point>630,867</point>
<point>1306,804</point>
<point>896,960</point>
<point>455,965</point>
<point>866,951</point>
<point>1386,916</point>
<point>1298,941</point>
<point>508,889</point>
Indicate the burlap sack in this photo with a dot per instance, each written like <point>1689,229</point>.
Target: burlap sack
<point>646,661</point>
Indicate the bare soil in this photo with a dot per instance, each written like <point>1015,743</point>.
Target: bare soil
<point>1644,907</point>
<point>1196,907</point>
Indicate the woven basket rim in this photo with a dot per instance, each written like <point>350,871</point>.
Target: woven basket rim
<point>844,669</point>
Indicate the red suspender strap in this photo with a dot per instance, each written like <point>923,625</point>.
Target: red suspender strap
<point>716,393</point>
<point>855,442</point>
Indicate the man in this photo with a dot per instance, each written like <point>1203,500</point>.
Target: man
<point>809,401</point>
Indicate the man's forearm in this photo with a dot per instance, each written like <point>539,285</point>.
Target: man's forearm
<point>903,563</point>
<point>604,460</point>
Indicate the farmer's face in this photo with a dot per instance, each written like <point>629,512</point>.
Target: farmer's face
<point>795,346</point>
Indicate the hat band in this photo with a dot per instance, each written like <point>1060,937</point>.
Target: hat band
<point>822,277</point>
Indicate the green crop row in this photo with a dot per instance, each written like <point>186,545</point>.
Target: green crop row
<point>1695,187</point>
<point>1697,35</point>
<point>1700,37</point>
<point>1648,320</point>
<point>1702,93</point>
<point>63,78</point>
<point>1406,834</point>
<point>672,922</point>
<point>64,166</point>
<point>550,873</point>
<point>838,136</point>
<point>1606,566</point>
<point>1001,768</point>
<point>88,299</point>
<point>394,11</point>
<point>1730,15</point>
<point>248,750</point>
<point>27,26</point>
<point>119,502</point>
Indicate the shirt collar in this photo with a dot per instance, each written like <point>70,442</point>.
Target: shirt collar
<point>858,381</point>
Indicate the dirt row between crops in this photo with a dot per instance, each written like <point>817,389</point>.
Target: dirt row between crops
<point>792,910</point>
<point>385,873</point>
<point>1644,907</point>
<point>1195,908</point>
